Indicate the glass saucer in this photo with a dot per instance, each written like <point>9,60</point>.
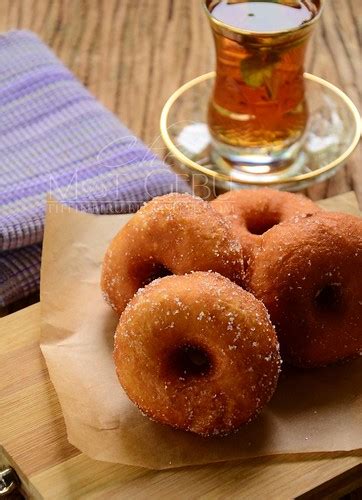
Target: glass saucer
<point>333,132</point>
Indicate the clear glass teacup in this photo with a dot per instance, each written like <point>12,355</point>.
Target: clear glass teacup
<point>258,111</point>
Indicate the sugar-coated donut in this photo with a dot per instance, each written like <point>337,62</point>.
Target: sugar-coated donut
<point>252,212</point>
<point>197,352</point>
<point>172,234</point>
<point>308,273</point>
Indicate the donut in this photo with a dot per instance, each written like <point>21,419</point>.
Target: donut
<point>252,212</point>
<point>197,352</point>
<point>308,273</point>
<point>172,234</point>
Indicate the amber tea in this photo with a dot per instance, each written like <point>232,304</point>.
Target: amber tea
<point>258,112</point>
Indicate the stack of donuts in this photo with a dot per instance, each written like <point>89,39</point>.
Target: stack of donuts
<point>212,295</point>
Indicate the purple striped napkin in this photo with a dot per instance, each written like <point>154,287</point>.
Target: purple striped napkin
<point>56,138</point>
<point>19,273</point>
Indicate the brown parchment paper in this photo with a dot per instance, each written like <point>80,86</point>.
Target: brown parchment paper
<point>311,411</point>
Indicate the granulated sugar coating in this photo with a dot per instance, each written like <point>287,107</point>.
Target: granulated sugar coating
<point>172,234</point>
<point>308,273</point>
<point>197,352</point>
<point>252,212</point>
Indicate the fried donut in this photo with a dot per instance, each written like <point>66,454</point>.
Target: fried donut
<point>172,234</point>
<point>197,352</point>
<point>308,273</point>
<point>252,212</point>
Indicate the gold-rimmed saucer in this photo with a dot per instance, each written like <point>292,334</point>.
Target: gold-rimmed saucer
<point>332,134</point>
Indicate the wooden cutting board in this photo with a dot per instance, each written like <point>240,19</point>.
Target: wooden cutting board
<point>33,440</point>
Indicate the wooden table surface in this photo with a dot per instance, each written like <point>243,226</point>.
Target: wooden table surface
<point>132,54</point>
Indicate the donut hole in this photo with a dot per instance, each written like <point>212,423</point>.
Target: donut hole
<point>329,297</point>
<point>156,271</point>
<point>262,224</point>
<point>190,361</point>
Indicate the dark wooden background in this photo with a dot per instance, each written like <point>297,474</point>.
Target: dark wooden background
<point>132,54</point>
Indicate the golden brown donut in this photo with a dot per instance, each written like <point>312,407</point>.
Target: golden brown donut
<point>308,273</point>
<point>172,234</point>
<point>252,212</point>
<point>197,352</point>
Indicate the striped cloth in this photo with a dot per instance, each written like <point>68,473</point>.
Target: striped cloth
<point>19,273</point>
<point>56,138</point>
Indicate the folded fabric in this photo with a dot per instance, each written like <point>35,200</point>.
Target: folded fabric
<point>19,273</point>
<point>56,138</point>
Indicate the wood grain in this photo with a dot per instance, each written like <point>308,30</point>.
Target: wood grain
<point>32,431</point>
<point>133,54</point>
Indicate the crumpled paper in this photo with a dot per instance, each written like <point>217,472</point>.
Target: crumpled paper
<point>312,411</point>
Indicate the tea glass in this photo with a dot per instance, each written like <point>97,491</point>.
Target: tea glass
<point>258,110</point>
